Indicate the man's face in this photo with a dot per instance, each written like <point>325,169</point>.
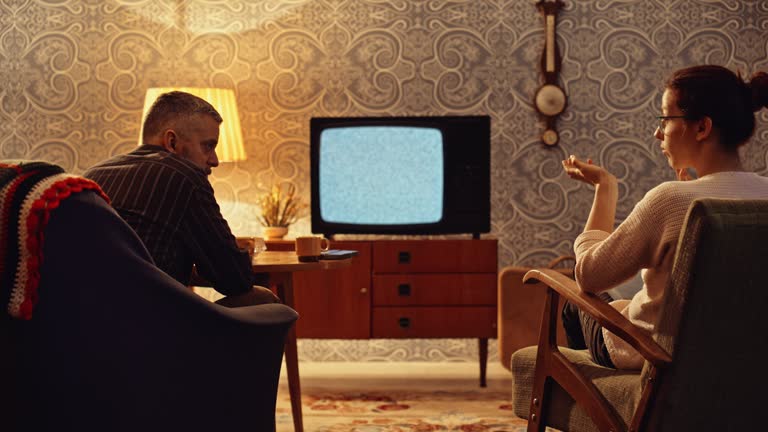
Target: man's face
<point>196,140</point>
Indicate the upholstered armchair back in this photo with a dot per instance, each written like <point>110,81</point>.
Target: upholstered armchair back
<point>714,322</point>
<point>115,344</point>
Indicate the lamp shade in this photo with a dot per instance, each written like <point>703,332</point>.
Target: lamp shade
<point>230,147</point>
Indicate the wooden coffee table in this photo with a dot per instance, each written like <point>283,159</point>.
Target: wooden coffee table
<point>281,266</point>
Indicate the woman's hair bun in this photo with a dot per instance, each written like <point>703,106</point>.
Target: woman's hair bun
<point>759,87</point>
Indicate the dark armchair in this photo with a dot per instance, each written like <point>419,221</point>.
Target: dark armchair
<point>705,365</point>
<point>114,344</point>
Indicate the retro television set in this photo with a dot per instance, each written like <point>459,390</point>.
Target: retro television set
<point>400,175</point>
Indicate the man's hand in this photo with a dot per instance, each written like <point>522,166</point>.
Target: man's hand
<point>256,296</point>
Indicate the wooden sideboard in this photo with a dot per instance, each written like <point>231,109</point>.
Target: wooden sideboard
<point>402,289</point>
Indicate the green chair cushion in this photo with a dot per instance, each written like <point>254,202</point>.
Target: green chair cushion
<point>621,387</point>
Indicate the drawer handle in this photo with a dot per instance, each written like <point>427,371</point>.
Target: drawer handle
<point>403,257</point>
<point>404,290</point>
<point>404,323</point>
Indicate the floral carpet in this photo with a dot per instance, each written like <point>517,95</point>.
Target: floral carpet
<point>414,401</point>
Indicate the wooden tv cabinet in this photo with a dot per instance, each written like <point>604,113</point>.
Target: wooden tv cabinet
<point>402,289</point>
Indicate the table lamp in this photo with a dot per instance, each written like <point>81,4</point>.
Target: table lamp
<point>230,147</point>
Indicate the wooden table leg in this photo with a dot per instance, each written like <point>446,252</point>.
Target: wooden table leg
<point>285,292</point>
<point>483,348</point>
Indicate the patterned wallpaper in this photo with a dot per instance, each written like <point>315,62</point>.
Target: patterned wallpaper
<point>73,75</point>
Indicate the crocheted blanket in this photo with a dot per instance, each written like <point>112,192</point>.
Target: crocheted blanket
<point>29,192</point>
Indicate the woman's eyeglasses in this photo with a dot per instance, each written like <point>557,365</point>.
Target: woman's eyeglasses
<point>663,121</point>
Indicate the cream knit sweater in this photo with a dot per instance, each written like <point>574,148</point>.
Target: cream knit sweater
<point>647,240</point>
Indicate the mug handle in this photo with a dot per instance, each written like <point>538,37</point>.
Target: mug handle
<point>325,244</point>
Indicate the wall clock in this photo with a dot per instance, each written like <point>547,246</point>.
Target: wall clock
<point>550,99</point>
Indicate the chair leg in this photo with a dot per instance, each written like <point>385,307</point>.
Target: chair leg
<point>536,409</point>
<point>542,383</point>
<point>482,345</point>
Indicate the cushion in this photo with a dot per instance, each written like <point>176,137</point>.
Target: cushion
<point>620,386</point>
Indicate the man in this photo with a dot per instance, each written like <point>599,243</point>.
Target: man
<point>161,189</point>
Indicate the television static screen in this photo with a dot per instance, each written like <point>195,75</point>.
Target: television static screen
<point>381,175</point>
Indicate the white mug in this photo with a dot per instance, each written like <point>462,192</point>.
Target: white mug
<point>309,248</point>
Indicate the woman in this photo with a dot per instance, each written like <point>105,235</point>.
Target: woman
<point>707,113</point>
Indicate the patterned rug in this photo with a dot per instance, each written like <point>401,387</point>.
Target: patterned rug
<point>400,397</point>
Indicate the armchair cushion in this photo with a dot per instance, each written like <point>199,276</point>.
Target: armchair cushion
<point>621,388</point>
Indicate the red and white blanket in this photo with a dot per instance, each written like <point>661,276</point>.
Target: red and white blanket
<point>29,192</point>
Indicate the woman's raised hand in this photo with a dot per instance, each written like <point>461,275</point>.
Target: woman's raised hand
<point>585,171</point>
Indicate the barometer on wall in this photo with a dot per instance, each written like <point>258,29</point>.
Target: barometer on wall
<point>550,99</point>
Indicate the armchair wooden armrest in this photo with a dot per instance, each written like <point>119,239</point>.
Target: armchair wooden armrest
<point>604,313</point>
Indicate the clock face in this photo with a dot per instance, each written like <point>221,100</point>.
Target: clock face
<point>550,100</point>
<point>550,137</point>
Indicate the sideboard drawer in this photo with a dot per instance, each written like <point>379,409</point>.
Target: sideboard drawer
<point>434,322</point>
<point>435,256</point>
<point>427,289</point>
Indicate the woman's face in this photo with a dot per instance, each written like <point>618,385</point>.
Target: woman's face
<point>677,136</point>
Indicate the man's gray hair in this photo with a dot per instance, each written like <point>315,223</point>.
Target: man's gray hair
<point>172,106</point>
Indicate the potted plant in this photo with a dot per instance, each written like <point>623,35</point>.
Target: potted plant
<point>279,209</point>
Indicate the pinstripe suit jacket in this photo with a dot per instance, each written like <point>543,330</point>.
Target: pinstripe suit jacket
<point>169,202</point>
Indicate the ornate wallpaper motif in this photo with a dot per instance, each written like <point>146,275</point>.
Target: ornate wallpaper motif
<point>73,75</point>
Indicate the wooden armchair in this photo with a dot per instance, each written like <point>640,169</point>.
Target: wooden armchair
<point>704,368</point>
